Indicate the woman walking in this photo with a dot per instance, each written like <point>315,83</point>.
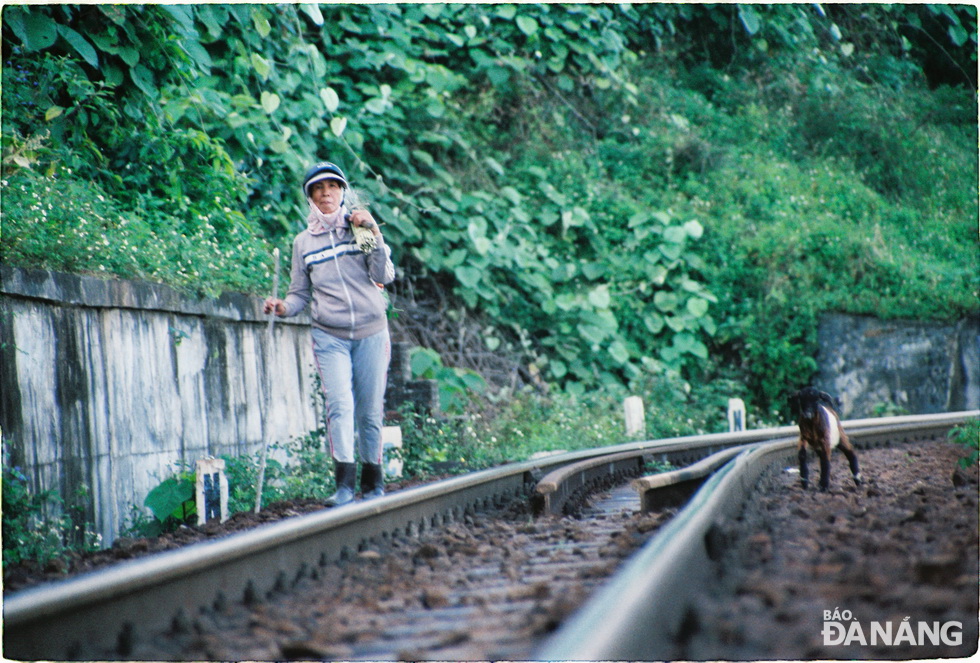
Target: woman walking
<point>339,263</point>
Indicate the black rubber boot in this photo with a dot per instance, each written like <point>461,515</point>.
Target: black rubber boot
<point>372,481</point>
<point>346,475</point>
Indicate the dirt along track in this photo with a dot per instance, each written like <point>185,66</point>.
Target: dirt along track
<point>490,586</point>
<point>901,548</point>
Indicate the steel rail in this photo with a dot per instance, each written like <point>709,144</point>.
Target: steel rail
<point>673,488</point>
<point>553,493</point>
<point>637,613</point>
<point>556,490</point>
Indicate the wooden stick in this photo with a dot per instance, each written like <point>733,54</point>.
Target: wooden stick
<point>267,384</point>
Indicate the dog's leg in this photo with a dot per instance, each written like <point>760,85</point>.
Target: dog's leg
<point>848,450</point>
<point>824,454</point>
<point>804,470</point>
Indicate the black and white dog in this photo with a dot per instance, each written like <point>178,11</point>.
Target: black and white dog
<point>821,430</point>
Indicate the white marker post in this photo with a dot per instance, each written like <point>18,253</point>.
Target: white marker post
<point>736,415</point>
<point>211,490</point>
<point>635,422</point>
<point>391,438</point>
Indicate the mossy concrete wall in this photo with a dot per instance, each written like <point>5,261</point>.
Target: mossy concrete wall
<point>106,384</point>
<point>887,366</point>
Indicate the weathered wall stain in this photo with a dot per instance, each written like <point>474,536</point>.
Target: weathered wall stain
<point>107,384</point>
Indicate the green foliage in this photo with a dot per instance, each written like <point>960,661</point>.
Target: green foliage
<point>627,191</point>
<point>391,87</point>
<point>888,409</point>
<point>171,498</point>
<point>525,423</point>
<point>138,524</point>
<point>531,423</point>
<point>308,472</point>
<point>37,527</point>
<point>299,468</point>
<point>658,467</point>
<point>64,222</point>
<point>433,446</point>
<point>172,501</point>
<point>456,385</point>
<point>792,234</point>
<point>967,435</point>
<point>522,426</point>
<point>243,475</point>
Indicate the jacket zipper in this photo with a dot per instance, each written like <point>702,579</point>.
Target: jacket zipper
<point>343,282</point>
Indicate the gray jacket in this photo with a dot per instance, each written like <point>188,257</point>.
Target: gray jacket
<point>342,282</point>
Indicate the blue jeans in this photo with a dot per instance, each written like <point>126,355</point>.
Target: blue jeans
<point>353,375</point>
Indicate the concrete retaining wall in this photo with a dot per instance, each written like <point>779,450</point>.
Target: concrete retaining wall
<point>106,384</point>
<point>916,367</point>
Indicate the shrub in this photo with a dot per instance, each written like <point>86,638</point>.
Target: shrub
<point>243,475</point>
<point>61,221</point>
<point>456,385</point>
<point>309,469</point>
<point>32,532</point>
<point>173,501</point>
<point>968,435</point>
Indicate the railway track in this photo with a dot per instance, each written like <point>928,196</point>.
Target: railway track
<point>488,587</point>
<point>115,613</point>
